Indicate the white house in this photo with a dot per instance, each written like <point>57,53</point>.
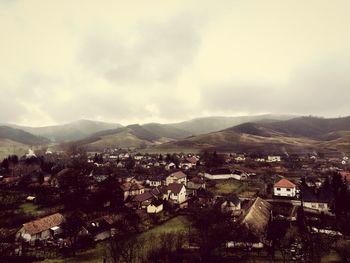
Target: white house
<point>170,166</point>
<point>177,177</point>
<point>239,175</point>
<point>131,189</point>
<point>240,158</point>
<point>284,188</point>
<point>41,229</point>
<point>155,207</point>
<point>317,199</point>
<point>273,159</point>
<point>219,174</point>
<point>177,193</point>
<point>154,181</point>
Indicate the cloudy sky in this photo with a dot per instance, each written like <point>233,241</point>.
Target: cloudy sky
<point>165,61</point>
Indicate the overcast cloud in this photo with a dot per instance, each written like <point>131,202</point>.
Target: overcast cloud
<point>165,61</point>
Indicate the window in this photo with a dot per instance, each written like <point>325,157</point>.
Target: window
<point>313,205</point>
<point>320,205</point>
<point>288,189</point>
<point>278,189</point>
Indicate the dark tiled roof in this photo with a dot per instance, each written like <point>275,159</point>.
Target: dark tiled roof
<point>257,217</point>
<point>143,197</point>
<point>220,171</point>
<point>175,188</point>
<point>156,202</point>
<point>131,186</point>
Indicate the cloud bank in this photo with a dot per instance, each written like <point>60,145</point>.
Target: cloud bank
<point>171,60</point>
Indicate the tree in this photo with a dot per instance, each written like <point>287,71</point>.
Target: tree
<point>73,186</point>
<point>108,191</point>
<point>167,249</point>
<point>212,230</point>
<point>212,159</point>
<point>129,163</point>
<point>71,227</point>
<point>125,245</point>
<point>78,158</point>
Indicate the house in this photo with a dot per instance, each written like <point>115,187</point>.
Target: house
<point>204,198</point>
<point>284,188</point>
<point>195,183</point>
<point>177,193</point>
<point>143,200</point>
<point>154,181</point>
<point>254,225</point>
<point>170,166</point>
<point>219,174</point>
<point>189,162</point>
<point>55,181</point>
<point>239,175</point>
<point>273,159</point>
<point>155,207</point>
<point>30,198</point>
<point>99,229</point>
<point>317,199</point>
<point>230,203</point>
<point>41,229</point>
<point>177,177</point>
<point>240,158</point>
<point>131,189</point>
<point>161,192</point>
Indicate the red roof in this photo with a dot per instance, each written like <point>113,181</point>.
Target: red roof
<point>284,183</point>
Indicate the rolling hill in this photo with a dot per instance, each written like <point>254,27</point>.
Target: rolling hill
<point>132,136</point>
<point>302,134</point>
<point>20,136</point>
<point>16,141</point>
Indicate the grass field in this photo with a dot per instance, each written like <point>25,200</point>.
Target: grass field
<point>223,187</point>
<point>30,208</point>
<point>100,252</point>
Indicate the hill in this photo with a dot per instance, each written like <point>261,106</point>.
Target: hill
<point>212,124</point>
<point>309,127</point>
<point>132,136</point>
<point>166,130</point>
<point>71,131</point>
<point>302,134</point>
<point>20,136</point>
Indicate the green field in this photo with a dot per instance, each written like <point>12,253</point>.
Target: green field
<point>224,187</point>
<point>97,254</point>
<point>32,209</point>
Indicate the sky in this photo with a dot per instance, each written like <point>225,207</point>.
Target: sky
<point>167,61</point>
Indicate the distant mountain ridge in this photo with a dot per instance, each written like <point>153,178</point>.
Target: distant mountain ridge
<point>309,127</point>
<point>149,134</point>
<point>69,132</point>
<point>211,124</point>
<point>294,135</point>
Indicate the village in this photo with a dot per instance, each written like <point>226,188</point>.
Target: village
<point>124,206</point>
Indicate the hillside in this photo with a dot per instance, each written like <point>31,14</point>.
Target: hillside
<point>132,136</point>
<point>303,134</point>
<point>71,131</point>
<point>20,136</point>
<point>309,127</point>
<point>166,130</point>
<point>212,124</point>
